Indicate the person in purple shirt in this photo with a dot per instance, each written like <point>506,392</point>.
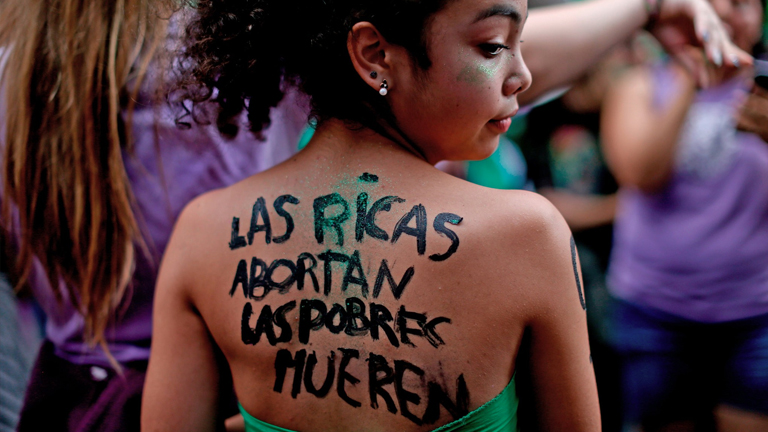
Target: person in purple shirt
<point>690,257</point>
<point>193,161</point>
<point>90,371</point>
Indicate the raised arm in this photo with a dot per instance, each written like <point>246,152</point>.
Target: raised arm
<point>181,390</point>
<point>639,139</point>
<point>562,42</point>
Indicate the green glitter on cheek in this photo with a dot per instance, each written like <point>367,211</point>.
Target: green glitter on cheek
<point>488,71</point>
<point>477,73</point>
<point>470,74</point>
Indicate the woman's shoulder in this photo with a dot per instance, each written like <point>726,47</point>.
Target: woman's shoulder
<point>656,82</point>
<point>518,232</point>
<point>200,234</point>
<point>518,214</point>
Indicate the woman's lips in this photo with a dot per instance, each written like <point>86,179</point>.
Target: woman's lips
<point>502,126</point>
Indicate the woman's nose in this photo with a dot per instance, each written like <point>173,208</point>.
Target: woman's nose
<point>519,80</point>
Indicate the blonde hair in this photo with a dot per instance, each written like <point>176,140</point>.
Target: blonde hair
<point>68,67</point>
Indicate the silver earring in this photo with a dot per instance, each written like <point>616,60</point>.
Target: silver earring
<point>383,88</point>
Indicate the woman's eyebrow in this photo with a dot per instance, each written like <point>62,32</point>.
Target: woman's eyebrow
<point>503,10</point>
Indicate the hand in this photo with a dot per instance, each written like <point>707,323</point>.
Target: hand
<point>693,23</point>
<point>753,116</point>
<point>693,64</point>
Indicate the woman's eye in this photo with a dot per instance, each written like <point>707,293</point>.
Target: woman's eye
<point>493,49</point>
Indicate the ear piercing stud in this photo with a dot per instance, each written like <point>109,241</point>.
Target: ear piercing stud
<point>383,88</point>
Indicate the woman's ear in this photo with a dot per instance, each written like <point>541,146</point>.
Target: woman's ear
<point>370,54</point>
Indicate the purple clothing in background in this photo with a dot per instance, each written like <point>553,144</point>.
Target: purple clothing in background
<point>193,161</point>
<point>699,247</point>
<point>81,398</point>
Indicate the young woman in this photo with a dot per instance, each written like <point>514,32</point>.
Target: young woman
<point>690,257</point>
<point>355,286</point>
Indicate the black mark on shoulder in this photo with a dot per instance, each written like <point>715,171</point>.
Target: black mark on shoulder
<point>576,273</point>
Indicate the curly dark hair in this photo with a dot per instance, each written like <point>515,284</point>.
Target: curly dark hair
<point>241,54</point>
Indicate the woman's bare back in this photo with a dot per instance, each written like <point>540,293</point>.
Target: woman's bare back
<point>364,286</point>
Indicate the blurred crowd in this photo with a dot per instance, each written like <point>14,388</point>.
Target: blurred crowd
<point>662,176</point>
<point>664,187</point>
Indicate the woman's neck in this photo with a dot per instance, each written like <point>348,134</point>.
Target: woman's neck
<point>335,142</point>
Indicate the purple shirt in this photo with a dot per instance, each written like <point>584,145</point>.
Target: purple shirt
<point>699,247</point>
<point>193,161</point>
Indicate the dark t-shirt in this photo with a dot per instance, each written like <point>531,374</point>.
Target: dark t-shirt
<point>562,150</point>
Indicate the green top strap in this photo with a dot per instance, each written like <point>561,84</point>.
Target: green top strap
<point>497,415</point>
<point>252,424</point>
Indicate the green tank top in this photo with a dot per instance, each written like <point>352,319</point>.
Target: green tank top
<point>497,415</point>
